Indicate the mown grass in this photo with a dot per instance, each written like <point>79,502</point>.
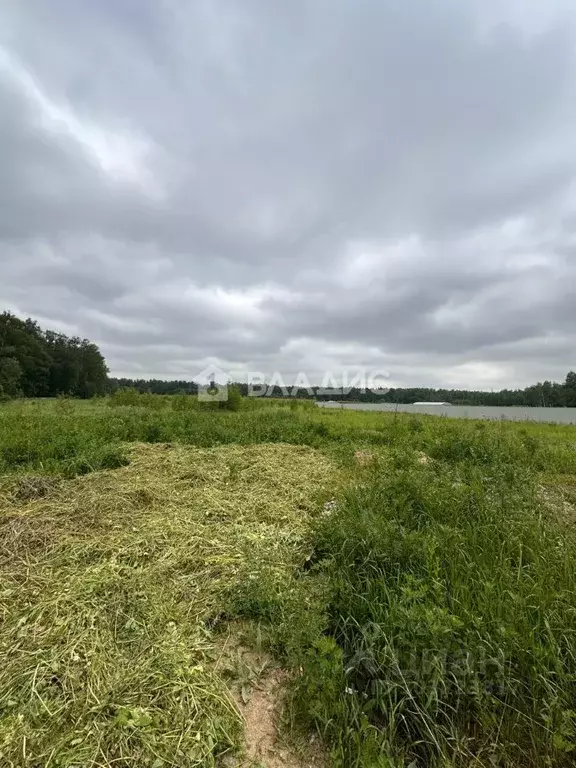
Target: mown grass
<point>112,585</point>
<point>428,614</point>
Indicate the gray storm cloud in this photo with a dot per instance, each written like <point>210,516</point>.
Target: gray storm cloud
<point>276,186</point>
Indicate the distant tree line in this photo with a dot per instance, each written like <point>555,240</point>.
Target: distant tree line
<point>544,394</point>
<point>155,386</point>
<point>38,363</point>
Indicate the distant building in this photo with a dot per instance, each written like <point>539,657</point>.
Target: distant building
<point>430,403</point>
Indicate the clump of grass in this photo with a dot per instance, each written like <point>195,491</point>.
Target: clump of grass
<point>109,585</point>
<point>233,401</point>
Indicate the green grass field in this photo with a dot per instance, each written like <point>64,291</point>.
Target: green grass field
<point>410,579</point>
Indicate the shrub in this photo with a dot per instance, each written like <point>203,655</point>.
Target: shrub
<point>124,397</point>
<point>182,403</point>
<point>234,400</point>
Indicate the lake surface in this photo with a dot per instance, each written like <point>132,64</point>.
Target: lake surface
<point>551,415</point>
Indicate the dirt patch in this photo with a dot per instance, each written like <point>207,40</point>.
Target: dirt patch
<point>260,716</point>
<point>264,746</point>
<point>258,687</point>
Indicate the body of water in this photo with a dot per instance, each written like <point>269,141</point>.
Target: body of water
<point>551,415</point>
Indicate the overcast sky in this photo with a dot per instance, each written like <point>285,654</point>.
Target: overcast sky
<point>295,186</point>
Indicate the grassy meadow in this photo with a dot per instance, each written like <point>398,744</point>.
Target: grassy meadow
<point>409,582</point>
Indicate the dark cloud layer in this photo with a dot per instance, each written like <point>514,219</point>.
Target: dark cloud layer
<point>295,186</point>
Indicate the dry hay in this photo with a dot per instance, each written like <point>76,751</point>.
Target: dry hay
<point>34,487</point>
<point>109,584</point>
<point>558,501</point>
<point>364,458</point>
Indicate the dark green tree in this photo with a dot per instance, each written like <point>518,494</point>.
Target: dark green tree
<point>93,375</point>
<point>37,363</point>
<point>10,376</point>
<point>23,340</point>
<point>64,365</point>
<point>570,389</point>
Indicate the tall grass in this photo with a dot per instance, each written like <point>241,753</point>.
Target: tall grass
<point>60,437</point>
<point>72,437</point>
<point>449,634</point>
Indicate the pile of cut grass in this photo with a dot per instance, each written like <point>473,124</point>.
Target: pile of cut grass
<point>110,587</point>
